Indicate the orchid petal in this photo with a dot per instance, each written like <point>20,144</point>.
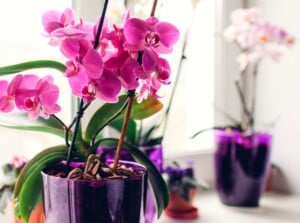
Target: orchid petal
<point>168,33</point>
<point>135,30</point>
<point>109,87</point>
<point>149,60</point>
<point>93,64</point>
<point>127,75</point>
<point>70,48</point>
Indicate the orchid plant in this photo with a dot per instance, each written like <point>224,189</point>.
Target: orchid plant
<point>119,65</point>
<point>257,39</point>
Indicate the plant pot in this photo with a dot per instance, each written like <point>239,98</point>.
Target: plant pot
<point>81,201</point>
<point>241,166</point>
<point>178,208</point>
<point>155,154</point>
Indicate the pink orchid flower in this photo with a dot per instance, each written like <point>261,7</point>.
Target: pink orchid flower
<point>158,68</point>
<point>6,100</point>
<point>246,16</point>
<point>152,81</point>
<point>9,93</point>
<point>53,19</point>
<point>106,87</point>
<point>55,23</point>
<point>83,57</point>
<point>123,65</point>
<point>18,161</point>
<point>153,34</point>
<point>148,87</point>
<point>37,96</point>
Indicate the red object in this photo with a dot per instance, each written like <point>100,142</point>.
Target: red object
<point>36,216</point>
<point>268,186</point>
<point>179,208</point>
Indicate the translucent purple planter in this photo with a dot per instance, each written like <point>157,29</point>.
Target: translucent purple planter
<point>241,166</point>
<point>155,154</point>
<point>102,201</point>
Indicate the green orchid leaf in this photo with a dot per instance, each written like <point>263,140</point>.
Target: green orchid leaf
<point>32,163</point>
<point>130,131</point>
<point>16,68</point>
<point>28,187</point>
<point>146,108</point>
<point>102,117</point>
<point>158,184</point>
<point>148,138</point>
<point>46,129</point>
<point>153,141</point>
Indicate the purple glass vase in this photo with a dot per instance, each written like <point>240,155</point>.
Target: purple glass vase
<point>104,201</point>
<point>241,166</point>
<point>155,154</point>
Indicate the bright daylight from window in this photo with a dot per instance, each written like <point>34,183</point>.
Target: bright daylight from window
<point>193,105</point>
<point>28,43</point>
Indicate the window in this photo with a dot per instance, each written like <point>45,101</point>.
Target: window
<point>193,104</point>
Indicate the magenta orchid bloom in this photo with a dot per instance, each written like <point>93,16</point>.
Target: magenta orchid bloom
<point>123,66</point>
<point>153,34</point>
<point>99,73</point>
<point>6,100</point>
<point>53,20</point>
<point>151,82</point>
<point>153,38</point>
<point>37,96</point>
<point>106,87</point>
<point>58,24</point>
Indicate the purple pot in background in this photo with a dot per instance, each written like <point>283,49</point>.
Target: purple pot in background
<point>241,166</point>
<point>82,201</point>
<point>155,154</point>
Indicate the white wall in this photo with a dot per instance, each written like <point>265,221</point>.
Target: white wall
<point>279,94</point>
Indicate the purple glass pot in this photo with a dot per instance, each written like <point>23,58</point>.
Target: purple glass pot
<point>155,154</point>
<point>241,166</point>
<point>102,201</point>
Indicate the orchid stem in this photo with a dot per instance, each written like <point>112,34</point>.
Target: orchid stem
<point>77,124</point>
<point>97,38</point>
<point>153,8</point>
<point>131,95</point>
<point>66,128</point>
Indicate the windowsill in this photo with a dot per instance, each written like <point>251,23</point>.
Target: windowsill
<point>274,207</point>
